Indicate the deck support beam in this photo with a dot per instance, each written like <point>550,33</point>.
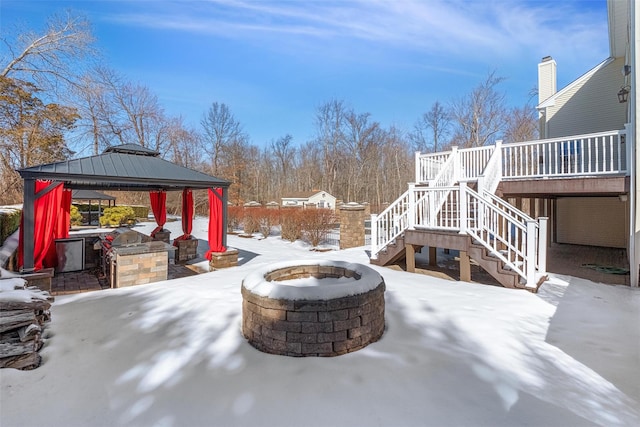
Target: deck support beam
<point>433,257</point>
<point>410,255</point>
<point>465,267</point>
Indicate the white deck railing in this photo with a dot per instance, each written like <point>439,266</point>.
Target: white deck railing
<point>473,161</point>
<point>580,155</point>
<point>583,155</point>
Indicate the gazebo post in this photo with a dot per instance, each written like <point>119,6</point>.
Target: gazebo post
<point>225,198</point>
<point>28,225</point>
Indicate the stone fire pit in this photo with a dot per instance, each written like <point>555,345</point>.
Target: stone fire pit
<point>311,308</point>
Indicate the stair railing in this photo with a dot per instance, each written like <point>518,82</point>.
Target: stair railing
<point>429,166</point>
<point>389,224</point>
<point>492,173</point>
<point>436,208</point>
<point>508,234</point>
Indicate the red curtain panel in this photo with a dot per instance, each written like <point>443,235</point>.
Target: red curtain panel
<point>64,217</point>
<point>159,208</point>
<point>215,222</point>
<point>45,210</point>
<point>187,215</point>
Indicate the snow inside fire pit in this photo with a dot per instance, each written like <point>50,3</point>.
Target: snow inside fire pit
<point>310,308</point>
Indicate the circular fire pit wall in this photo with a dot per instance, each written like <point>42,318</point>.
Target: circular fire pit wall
<point>325,309</point>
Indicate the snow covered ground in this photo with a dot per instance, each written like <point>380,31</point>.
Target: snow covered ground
<point>171,354</point>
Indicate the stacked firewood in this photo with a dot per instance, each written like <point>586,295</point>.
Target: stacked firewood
<point>24,310</point>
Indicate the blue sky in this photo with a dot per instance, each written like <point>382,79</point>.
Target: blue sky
<point>274,62</point>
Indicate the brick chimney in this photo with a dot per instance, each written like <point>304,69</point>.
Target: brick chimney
<point>546,78</point>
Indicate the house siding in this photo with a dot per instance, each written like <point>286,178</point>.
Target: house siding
<point>592,221</point>
<point>589,106</point>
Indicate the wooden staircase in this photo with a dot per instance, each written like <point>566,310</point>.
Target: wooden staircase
<point>448,210</point>
<point>450,240</point>
<point>393,252</point>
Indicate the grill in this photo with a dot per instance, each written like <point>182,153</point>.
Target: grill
<point>124,243</point>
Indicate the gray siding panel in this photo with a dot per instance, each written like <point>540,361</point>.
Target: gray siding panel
<point>591,106</point>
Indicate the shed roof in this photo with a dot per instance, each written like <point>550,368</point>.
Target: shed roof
<point>90,195</point>
<point>124,167</point>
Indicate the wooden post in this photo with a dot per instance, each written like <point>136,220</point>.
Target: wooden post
<point>374,236</point>
<point>465,267</point>
<point>433,260</point>
<point>410,254</point>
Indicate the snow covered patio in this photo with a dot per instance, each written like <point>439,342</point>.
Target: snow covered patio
<point>172,354</point>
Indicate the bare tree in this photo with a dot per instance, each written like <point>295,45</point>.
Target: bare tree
<point>522,124</point>
<point>137,116</point>
<point>221,129</point>
<point>431,129</point>
<point>185,143</point>
<point>362,141</point>
<point>52,58</point>
<point>329,123</point>
<point>92,97</point>
<point>284,152</point>
<point>481,115</point>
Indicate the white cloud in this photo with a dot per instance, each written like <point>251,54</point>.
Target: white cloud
<point>503,30</point>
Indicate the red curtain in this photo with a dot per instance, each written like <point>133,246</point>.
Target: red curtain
<point>187,215</point>
<point>215,222</point>
<point>159,208</point>
<point>64,217</point>
<point>45,212</point>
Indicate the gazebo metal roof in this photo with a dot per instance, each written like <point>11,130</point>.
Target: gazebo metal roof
<point>124,167</point>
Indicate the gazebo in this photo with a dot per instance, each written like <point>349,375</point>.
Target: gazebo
<point>90,196</point>
<point>128,167</point>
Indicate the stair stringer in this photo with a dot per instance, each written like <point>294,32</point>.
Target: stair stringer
<point>391,253</point>
<point>493,266</point>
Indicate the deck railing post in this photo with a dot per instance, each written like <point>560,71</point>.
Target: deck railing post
<point>418,168</point>
<point>411,209</point>
<point>462,207</point>
<point>456,164</point>
<point>530,256</point>
<point>542,244</point>
<point>374,236</point>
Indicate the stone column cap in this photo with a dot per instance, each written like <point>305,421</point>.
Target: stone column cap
<point>351,206</point>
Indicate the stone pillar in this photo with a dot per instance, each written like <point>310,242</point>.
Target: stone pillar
<point>352,216</point>
<point>226,259</point>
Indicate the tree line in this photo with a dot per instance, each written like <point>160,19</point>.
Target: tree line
<point>58,98</point>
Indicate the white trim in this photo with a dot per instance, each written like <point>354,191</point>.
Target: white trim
<point>549,102</point>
